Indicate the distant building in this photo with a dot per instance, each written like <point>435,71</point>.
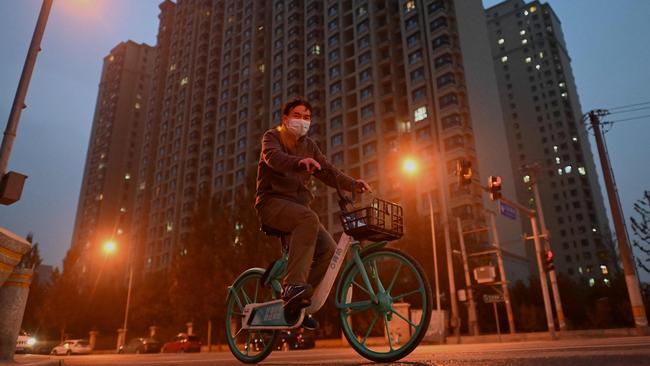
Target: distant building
<point>44,273</point>
<point>386,79</point>
<point>109,184</point>
<point>543,118</point>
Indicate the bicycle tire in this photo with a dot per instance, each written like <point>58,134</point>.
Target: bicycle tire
<point>234,314</point>
<point>424,289</point>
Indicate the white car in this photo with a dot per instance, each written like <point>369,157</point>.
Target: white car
<point>72,347</point>
<point>25,342</point>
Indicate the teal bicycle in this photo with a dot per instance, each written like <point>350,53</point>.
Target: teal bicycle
<point>377,287</point>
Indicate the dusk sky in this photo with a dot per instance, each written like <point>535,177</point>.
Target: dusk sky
<point>607,42</point>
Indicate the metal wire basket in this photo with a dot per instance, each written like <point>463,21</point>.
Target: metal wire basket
<point>382,220</point>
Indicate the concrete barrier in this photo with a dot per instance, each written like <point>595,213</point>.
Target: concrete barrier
<point>12,249</point>
<point>13,297</point>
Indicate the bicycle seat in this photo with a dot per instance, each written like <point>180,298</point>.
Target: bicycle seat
<point>272,231</point>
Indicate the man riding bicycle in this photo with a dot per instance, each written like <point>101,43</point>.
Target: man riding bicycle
<point>288,158</point>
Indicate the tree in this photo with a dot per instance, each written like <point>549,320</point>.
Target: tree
<point>641,229</point>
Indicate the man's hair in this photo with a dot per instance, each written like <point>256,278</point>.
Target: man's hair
<point>294,103</point>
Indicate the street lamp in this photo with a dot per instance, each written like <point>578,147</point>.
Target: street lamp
<point>410,166</point>
<point>109,247</point>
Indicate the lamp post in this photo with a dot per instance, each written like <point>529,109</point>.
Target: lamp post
<point>410,167</point>
<point>109,248</point>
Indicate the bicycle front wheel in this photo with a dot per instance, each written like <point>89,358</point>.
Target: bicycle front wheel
<point>383,330</point>
<point>248,346</point>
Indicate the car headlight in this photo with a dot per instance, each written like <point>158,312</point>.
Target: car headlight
<point>31,341</point>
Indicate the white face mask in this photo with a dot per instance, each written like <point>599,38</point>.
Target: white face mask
<point>299,127</point>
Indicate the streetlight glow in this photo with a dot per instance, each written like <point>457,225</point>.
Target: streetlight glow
<point>109,247</point>
<point>410,166</point>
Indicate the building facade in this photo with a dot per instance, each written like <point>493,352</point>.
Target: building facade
<point>108,188</point>
<point>544,126</point>
<point>386,79</point>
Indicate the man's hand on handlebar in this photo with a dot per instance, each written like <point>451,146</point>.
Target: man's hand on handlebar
<point>309,164</point>
<point>362,186</point>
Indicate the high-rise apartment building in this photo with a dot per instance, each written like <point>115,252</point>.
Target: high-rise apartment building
<point>385,78</point>
<point>543,118</point>
<point>108,188</point>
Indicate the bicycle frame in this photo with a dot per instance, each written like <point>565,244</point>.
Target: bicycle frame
<point>322,291</point>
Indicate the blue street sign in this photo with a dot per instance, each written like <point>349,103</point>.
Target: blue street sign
<point>507,210</point>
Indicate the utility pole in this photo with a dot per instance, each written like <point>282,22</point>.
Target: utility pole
<point>471,314</point>
<point>23,84</point>
<point>502,272</point>
<point>533,173</point>
<point>540,265</point>
<point>631,280</point>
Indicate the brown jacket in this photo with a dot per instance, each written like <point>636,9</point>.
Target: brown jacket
<point>280,176</point>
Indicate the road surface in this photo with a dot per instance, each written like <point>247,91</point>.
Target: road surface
<point>626,351</point>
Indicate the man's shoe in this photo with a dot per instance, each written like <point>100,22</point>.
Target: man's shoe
<point>297,296</point>
<point>309,322</point>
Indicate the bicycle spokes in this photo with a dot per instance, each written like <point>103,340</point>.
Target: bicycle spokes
<point>377,314</point>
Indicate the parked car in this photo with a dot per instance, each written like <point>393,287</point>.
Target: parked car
<point>291,340</point>
<point>72,347</point>
<point>183,343</point>
<point>25,342</point>
<point>141,345</point>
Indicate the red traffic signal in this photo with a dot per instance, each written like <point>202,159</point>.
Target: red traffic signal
<point>549,260</point>
<point>494,186</point>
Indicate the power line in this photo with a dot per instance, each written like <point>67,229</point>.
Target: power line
<point>630,119</point>
<point>629,105</point>
<point>631,110</point>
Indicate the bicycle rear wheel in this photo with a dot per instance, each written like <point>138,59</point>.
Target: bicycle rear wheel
<point>383,331</point>
<point>248,346</point>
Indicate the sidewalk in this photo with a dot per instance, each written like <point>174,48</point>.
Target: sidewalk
<point>33,360</point>
<point>494,338</point>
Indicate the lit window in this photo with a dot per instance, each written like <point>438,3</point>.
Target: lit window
<point>533,9</point>
<point>261,68</point>
<point>541,54</point>
<point>120,232</point>
<point>122,209</point>
<point>501,41</point>
<point>593,229</point>
<point>526,178</point>
<point>111,58</point>
<point>559,171</point>
<point>409,5</point>
<point>537,67</point>
<point>580,270</point>
<point>603,268</point>
<point>137,105</point>
<point>592,282</point>
<point>522,32</point>
<point>524,41</point>
<point>127,176</point>
<point>557,160</point>
<point>528,60</point>
<point>582,170</point>
<point>525,12</point>
<point>420,114</point>
<point>143,185</point>
<point>555,148</point>
<point>315,50</point>
<point>564,95</point>
<point>169,227</point>
<point>567,169</point>
<point>405,126</point>
<point>504,58</point>
<point>100,197</point>
<point>606,281</point>
<point>172,67</point>
<point>561,85</point>
<point>575,139</point>
<point>185,80</point>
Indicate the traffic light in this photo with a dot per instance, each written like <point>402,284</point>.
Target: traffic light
<point>549,260</point>
<point>464,172</point>
<point>494,186</point>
